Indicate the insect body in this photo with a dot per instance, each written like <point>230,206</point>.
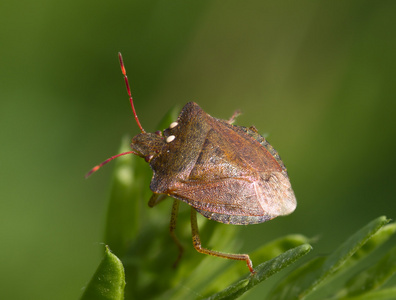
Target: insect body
<point>227,173</point>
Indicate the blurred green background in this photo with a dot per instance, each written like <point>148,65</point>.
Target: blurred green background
<point>318,77</point>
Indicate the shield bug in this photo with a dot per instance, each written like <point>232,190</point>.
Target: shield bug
<point>227,173</point>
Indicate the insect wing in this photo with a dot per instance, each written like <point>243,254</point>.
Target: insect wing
<point>235,178</point>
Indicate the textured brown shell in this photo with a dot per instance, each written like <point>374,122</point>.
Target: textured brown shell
<point>228,173</point>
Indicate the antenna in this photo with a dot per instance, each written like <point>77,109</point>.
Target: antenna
<point>129,91</point>
<point>94,169</point>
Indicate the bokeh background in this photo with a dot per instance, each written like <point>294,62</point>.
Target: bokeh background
<point>317,77</point>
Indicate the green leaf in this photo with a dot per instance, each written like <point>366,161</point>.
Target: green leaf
<point>307,278</point>
<point>108,282</point>
<point>124,206</point>
<point>153,253</point>
<point>385,294</point>
<point>263,271</point>
<point>380,237</point>
<point>371,278</point>
<point>266,252</point>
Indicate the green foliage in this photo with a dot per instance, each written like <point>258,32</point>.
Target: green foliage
<point>319,271</point>
<point>143,243</point>
<point>108,282</point>
<point>263,271</point>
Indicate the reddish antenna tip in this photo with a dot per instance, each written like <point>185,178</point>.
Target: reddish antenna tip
<point>94,169</point>
<point>129,92</point>
<point>121,63</point>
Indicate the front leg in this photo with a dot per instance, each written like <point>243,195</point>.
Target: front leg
<point>172,228</point>
<point>156,198</point>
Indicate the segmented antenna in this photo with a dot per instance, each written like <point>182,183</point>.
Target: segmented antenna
<point>94,169</point>
<point>129,92</point>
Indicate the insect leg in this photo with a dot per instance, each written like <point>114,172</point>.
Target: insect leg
<point>155,199</point>
<point>172,227</point>
<point>198,246</point>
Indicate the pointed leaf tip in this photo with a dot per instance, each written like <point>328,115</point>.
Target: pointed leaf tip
<point>108,282</point>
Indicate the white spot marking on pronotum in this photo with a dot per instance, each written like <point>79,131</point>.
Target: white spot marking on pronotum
<point>170,138</point>
<point>173,125</point>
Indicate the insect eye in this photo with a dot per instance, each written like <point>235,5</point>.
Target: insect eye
<point>158,132</point>
<point>148,158</point>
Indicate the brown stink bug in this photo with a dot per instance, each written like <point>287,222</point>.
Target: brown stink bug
<point>227,173</point>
